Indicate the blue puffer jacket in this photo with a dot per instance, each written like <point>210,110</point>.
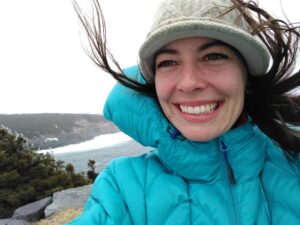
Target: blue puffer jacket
<point>182,182</point>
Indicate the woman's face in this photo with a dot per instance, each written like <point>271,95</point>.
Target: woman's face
<point>200,84</point>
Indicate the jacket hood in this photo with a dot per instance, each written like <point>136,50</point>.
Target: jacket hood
<point>140,117</point>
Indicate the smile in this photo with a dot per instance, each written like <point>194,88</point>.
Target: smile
<point>198,110</point>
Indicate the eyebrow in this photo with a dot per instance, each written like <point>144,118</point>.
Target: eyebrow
<point>212,44</point>
<point>200,49</point>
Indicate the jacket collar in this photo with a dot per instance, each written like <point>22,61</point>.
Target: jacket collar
<point>202,161</point>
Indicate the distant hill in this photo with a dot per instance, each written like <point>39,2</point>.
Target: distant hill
<point>50,130</point>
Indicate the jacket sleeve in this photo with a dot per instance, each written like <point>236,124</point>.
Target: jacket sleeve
<point>281,179</point>
<point>105,206</point>
<point>140,112</point>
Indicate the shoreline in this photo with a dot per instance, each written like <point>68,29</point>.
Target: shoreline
<point>102,156</point>
<point>98,142</point>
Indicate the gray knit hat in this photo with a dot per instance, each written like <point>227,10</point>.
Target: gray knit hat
<point>176,19</point>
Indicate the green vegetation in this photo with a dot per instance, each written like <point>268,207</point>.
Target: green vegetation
<point>27,176</point>
<point>92,172</point>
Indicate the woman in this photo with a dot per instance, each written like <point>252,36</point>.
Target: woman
<point>212,96</point>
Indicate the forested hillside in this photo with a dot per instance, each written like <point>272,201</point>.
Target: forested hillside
<point>53,130</point>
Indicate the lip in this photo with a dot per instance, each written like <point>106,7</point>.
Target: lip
<point>198,117</point>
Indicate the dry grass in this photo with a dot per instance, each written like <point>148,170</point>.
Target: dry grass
<point>60,218</point>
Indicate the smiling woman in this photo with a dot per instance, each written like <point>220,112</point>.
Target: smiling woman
<point>212,95</point>
<point>200,85</point>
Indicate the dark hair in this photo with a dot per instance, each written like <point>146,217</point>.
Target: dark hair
<point>98,52</point>
<point>268,98</point>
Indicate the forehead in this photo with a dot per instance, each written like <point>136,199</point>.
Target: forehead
<point>189,41</point>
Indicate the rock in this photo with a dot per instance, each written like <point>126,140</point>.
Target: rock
<point>13,222</point>
<point>32,212</point>
<point>69,198</point>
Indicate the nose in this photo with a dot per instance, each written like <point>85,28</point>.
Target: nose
<point>191,79</point>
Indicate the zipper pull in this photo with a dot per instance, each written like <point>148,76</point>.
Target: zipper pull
<point>223,146</point>
<point>175,134</point>
<point>224,149</point>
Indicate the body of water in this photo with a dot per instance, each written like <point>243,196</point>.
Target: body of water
<point>102,149</point>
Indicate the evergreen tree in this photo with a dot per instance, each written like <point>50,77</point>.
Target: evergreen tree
<point>27,176</point>
<point>92,172</point>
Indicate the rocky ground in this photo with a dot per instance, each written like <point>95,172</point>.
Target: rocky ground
<point>61,217</point>
<point>58,209</point>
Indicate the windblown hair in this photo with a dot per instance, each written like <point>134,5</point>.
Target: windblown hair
<point>99,53</point>
<point>270,100</point>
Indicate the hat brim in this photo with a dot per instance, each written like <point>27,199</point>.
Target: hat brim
<point>251,48</point>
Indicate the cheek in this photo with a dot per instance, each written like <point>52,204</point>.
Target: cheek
<point>159,89</point>
<point>231,88</point>
<point>164,93</point>
<point>163,88</point>
<point>231,83</point>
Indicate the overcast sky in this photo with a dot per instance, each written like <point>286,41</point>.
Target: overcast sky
<point>43,67</point>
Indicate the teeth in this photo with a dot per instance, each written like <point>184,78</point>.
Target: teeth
<point>201,109</point>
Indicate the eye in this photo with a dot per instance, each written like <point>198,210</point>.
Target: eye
<point>214,56</point>
<point>165,63</point>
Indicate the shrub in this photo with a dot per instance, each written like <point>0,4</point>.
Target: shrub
<point>27,176</point>
<point>92,174</point>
